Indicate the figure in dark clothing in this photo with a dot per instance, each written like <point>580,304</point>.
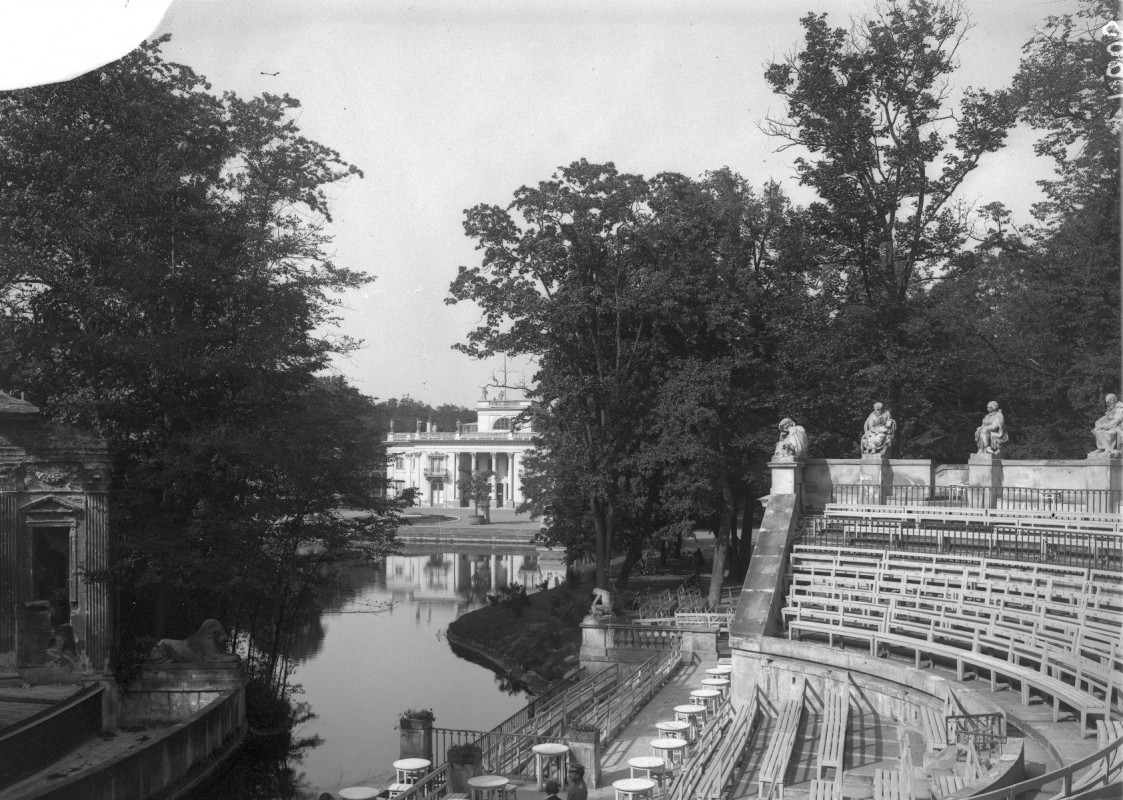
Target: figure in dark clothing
<point>577,788</point>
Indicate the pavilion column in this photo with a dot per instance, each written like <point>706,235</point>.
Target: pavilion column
<point>512,459</point>
<point>455,478</point>
<point>495,572</point>
<point>495,477</point>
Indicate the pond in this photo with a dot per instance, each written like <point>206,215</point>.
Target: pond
<point>380,650</point>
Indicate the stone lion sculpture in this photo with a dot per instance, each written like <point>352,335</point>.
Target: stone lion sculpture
<point>204,646</point>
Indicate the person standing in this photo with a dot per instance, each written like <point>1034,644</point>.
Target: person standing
<point>552,790</point>
<point>577,788</point>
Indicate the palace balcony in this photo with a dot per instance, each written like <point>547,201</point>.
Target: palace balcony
<point>434,474</point>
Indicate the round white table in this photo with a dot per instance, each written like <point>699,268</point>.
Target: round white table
<point>651,766</point>
<point>633,788</point>
<point>411,770</point>
<point>487,787</point>
<point>546,755</point>
<point>358,793</point>
<point>720,671</point>
<point>718,684</point>
<point>671,751</point>
<point>695,715</point>
<point>710,698</point>
<point>674,729</point>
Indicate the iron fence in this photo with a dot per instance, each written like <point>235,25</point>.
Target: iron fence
<point>1096,501</point>
<point>982,539</point>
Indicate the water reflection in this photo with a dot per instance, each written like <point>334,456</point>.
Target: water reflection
<point>375,649</point>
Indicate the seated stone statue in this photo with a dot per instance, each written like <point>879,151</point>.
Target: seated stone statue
<point>602,603</point>
<point>793,440</point>
<point>991,434</point>
<point>1108,429</point>
<point>204,646</point>
<point>878,432</point>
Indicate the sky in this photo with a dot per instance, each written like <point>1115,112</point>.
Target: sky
<point>445,105</point>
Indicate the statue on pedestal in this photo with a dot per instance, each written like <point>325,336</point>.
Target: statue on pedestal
<point>793,440</point>
<point>991,434</point>
<point>602,603</point>
<point>204,647</point>
<point>1108,429</point>
<point>878,432</point>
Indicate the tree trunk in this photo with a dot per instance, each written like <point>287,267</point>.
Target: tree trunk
<point>631,558</point>
<point>602,545</point>
<point>728,511</point>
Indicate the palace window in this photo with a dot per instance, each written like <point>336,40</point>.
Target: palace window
<point>502,424</point>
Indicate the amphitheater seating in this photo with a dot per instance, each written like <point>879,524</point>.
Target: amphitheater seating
<point>825,790</point>
<point>1052,630</point>
<point>944,785</point>
<point>832,735</point>
<point>774,766</point>
<point>891,785</point>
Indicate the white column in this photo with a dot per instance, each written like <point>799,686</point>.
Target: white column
<point>495,572</point>
<point>514,461</point>
<point>495,477</point>
<point>455,462</point>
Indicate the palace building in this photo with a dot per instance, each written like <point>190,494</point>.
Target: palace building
<point>433,460</point>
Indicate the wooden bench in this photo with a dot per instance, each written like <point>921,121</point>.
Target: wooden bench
<point>944,785</point>
<point>935,729</point>
<point>890,784</point>
<point>774,766</point>
<point>832,736</point>
<point>825,790</point>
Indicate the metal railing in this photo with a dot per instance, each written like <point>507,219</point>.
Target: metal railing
<point>613,708</point>
<point>985,733</point>
<point>984,539</point>
<point>502,753</point>
<point>961,495</point>
<point>1104,767</point>
<point>645,637</point>
<point>719,747</point>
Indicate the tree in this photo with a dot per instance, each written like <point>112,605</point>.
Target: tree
<point>872,107</point>
<point>165,279</point>
<point>562,279</point>
<point>478,488</point>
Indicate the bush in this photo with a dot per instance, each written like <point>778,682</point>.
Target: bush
<point>566,609</point>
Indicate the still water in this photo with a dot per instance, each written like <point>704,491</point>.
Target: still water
<point>377,651</point>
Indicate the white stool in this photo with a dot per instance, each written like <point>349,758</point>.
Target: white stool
<point>550,754</point>
<point>633,788</point>
<point>395,789</point>
<point>725,662</point>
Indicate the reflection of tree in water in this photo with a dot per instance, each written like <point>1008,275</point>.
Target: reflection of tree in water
<point>265,767</point>
<point>507,684</point>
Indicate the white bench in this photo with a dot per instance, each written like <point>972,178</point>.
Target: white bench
<point>774,766</point>
<point>832,736</point>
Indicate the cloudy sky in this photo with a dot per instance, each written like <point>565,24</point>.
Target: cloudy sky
<point>447,104</point>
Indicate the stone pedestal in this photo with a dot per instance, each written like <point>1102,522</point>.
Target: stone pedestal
<point>787,477</point>
<point>984,480</point>
<point>415,738</point>
<point>874,475</point>
<point>173,692</point>
<point>596,641</point>
<point>584,749</point>
<point>702,641</point>
<point>1106,472</point>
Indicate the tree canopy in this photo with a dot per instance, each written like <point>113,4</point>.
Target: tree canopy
<point>165,282</point>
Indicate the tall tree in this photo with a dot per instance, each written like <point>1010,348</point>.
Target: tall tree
<point>166,280</point>
<point>886,154</point>
<point>562,280</point>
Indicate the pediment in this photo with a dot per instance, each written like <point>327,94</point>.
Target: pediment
<point>52,506</point>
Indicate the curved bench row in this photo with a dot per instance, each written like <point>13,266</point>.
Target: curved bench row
<point>940,608</point>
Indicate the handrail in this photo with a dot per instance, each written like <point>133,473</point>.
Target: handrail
<point>1109,755</point>
<point>612,710</point>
